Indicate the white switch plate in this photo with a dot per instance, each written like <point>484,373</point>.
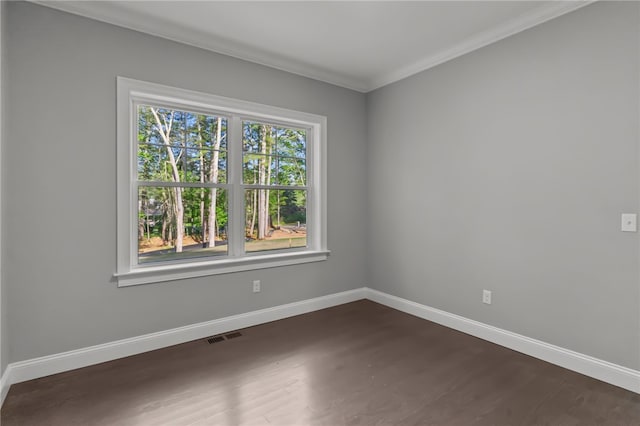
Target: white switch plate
<point>629,222</point>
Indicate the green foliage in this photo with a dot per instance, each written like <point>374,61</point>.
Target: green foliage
<point>222,216</point>
<point>197,143</point>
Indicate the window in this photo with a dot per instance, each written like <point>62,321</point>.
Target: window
<point>210,185</point>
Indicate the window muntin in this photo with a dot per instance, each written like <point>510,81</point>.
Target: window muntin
<point>170,142</point>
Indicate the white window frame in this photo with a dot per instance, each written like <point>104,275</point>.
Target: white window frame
<point>128,271</point>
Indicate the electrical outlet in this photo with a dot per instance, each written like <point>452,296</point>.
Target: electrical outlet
<point>486,297</point>
<point>256,286</point>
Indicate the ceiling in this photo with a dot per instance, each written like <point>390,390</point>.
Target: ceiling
<point>361,45</point>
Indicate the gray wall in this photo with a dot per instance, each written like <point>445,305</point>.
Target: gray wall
<point>60,197</point>
<point>4,354</point>
<point>507,169</point>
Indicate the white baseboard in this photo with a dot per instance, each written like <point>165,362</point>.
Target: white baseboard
<point>4,386</point>
<point>614,374</point>
<point>39,367</point>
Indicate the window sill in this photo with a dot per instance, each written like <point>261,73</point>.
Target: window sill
<point>155,274</point>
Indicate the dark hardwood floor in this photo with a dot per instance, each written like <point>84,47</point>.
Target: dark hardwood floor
<point>356,364</point>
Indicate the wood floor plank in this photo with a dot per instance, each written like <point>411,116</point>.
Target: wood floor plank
<point>356,364</point>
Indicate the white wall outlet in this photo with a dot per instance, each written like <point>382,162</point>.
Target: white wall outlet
<point>629,222</point>
<point>256,286</point>
<point>486,297</point>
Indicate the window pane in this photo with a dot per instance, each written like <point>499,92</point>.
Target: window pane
<point>275,219</point>
<point>178,146</point>
<point>152,163</point>
<point>273,155</point>
<point>198,229</point>
<point>204,166</point>
<point>292,171</point>
<point>212,132</point>
<point>257,137</point>
<point>291,142</point>
<point>259,169</point>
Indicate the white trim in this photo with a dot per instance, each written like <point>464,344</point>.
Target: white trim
<point>128,272</point>
<point>614,374</point>
<point>200,269</point>
<point>40,367</point>
<point>4,386</point>
<point>52,364</point>
<point>110,12</point>
<point>188,99</point>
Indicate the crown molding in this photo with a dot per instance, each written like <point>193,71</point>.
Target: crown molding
<point>110,12</point>
<point>528,20</point>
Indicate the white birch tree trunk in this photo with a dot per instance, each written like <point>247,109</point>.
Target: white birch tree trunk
<point>213,178</point>
<point>267,217</point>
<point>178,207</point>
<point>203,227</point>
<point>262,176</point>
